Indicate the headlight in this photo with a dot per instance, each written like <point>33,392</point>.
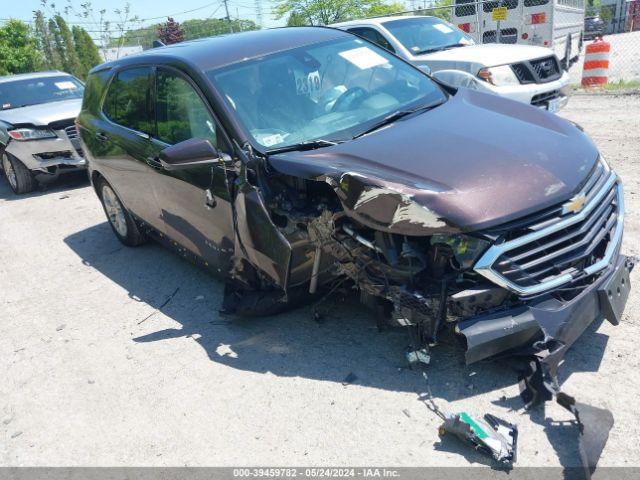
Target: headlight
<point>466,249</point>
<point>22,134</point>
<point>499,76</point>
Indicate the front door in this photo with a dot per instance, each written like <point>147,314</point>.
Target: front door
<point>194,203</point>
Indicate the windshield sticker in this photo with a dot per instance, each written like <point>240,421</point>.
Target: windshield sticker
<point>363,58</point>
<point>66,85</point>
<point>307,84</point>
<point>271,140</point>
<point>443,28</point>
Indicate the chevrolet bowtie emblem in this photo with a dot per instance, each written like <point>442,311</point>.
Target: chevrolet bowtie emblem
<point>575,204</point>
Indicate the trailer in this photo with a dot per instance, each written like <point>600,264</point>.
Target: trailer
<point>557,24</point>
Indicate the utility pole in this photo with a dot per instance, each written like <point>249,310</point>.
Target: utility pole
<point>259,12</point>
<point>226,8</point>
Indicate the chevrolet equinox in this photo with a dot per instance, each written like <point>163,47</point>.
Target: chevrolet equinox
<point>290,160</point>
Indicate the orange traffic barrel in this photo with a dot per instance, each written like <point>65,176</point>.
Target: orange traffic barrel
<point>596,63</point>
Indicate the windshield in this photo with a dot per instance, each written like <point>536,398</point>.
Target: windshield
<point>329,91</point>
<point>427,34</point>
<point>22,93</point>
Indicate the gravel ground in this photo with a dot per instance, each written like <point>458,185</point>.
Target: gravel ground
<point>91,379</point>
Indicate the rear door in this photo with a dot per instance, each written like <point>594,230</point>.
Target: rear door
<point>194,203</point>
<point>122,141</point>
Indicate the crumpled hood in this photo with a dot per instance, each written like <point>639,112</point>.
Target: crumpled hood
<point>474,57</point>
<point>43,114</point>
<point>476,161</point>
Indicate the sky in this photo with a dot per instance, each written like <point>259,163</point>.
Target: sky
<point>147,9</point>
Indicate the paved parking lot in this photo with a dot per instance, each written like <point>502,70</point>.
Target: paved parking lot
<point>90,378</point>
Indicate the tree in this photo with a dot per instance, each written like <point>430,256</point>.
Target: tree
<point>325,12</point>
<point>170,32</point>
<point>379,9</point>
<point>322,12</point>
<point>441,9</point>
<point>51,59</point>
<point>195,28</point>
<point>18,49</point>
<point>70,60</point>
<point>296,20</point>
<point>86,49</point>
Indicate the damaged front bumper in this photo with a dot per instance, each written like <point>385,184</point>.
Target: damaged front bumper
<point>549,324</point>
<point>50,157</point>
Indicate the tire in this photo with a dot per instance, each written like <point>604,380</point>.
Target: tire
<point>120,220</point>
<point>20,178</point>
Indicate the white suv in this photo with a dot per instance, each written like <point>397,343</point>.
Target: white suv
<point>521,72</point>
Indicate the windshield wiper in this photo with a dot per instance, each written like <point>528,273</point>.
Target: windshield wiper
<point>308,145</point>
<point>392,117</point>
<point>439,49</point>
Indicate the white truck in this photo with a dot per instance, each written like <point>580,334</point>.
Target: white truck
<point>557,24</point>
<point>527,74</point>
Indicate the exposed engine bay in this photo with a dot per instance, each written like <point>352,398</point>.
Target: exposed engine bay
<point>414,269</point>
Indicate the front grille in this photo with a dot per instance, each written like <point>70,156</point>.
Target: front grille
<point>541,70</point>
<point>560,244</point>
<point>71,132</point>
<point>546,68</point>
<point>62,124</point>
<point>523,73</point>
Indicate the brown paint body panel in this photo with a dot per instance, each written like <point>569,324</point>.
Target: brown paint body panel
<point>474,162</point>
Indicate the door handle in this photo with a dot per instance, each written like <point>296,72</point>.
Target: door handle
<point>102,136</point>
<point>154,162</point>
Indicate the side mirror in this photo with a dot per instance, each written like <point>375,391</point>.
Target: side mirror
<point>458,78</point>
<point>195,152</point>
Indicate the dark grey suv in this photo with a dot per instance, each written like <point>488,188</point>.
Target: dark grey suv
<point>294,160</point>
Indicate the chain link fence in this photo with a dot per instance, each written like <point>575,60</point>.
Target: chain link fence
<point>564,26</point>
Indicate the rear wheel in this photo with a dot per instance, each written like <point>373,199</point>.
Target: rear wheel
<point>19,177</point>
<point>119,218</point>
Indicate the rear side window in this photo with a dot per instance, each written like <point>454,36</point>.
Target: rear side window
<point>181,113</point>
<point>373,36</point>
<point>128,100</point>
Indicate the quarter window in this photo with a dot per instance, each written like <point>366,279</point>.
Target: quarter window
<point>128,100</point>
<point>373,36</point>
<point>180,112</point>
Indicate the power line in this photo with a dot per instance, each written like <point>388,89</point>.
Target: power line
<point>136,20</point>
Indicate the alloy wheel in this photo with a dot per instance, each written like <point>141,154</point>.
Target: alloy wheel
<point>115,210</point>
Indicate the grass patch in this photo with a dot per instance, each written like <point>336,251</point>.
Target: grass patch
<point>620,85</point>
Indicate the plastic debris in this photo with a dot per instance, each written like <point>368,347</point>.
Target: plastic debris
<point>418,356</point>
<point>490,435</point>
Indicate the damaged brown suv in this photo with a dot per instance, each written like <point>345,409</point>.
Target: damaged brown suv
<point>290,160</point>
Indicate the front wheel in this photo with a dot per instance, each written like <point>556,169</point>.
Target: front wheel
<point>119,218</point>
<point>20,178</point>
